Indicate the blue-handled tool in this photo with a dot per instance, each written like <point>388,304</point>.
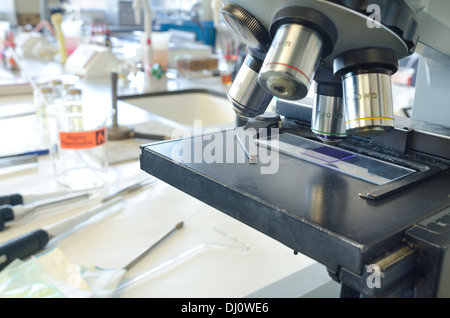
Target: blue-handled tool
<point>28,153</point>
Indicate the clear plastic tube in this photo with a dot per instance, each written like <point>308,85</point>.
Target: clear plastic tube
<point>237,247</point>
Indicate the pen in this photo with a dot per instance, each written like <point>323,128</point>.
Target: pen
<point>29,153</point>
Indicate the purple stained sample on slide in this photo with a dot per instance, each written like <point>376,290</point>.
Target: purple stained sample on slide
<point>328,154</point>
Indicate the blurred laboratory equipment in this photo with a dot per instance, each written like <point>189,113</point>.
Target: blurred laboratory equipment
<point>57,20</point>
<point>43,96</point>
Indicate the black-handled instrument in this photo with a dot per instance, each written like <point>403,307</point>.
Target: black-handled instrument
<point>23,246</point>
<point>11,199</point>
<point>34,241</point>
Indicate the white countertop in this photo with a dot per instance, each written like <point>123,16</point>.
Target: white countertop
<point>213,255</point>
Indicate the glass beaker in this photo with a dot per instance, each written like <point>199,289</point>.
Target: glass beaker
<point>78,144</point>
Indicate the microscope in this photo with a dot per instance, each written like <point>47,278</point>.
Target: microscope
<point>343,181</point>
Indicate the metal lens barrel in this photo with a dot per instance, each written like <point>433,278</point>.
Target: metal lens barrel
<point>249,99</point>
<point>366,77</point>
<point>291,62</point>
<point>301,38</point>
<point>328,119</point>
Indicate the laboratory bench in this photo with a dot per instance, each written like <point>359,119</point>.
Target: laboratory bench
<point>212,255</point>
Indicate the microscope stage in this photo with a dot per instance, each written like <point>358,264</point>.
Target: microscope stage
<point>301,202</point>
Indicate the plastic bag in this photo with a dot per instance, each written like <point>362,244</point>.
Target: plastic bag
<point>52,275</point>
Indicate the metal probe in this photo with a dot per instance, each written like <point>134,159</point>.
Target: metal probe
<point>17,198</point>
<point>140,257</point>
<point>13,212</point>
<point>130,189</point>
